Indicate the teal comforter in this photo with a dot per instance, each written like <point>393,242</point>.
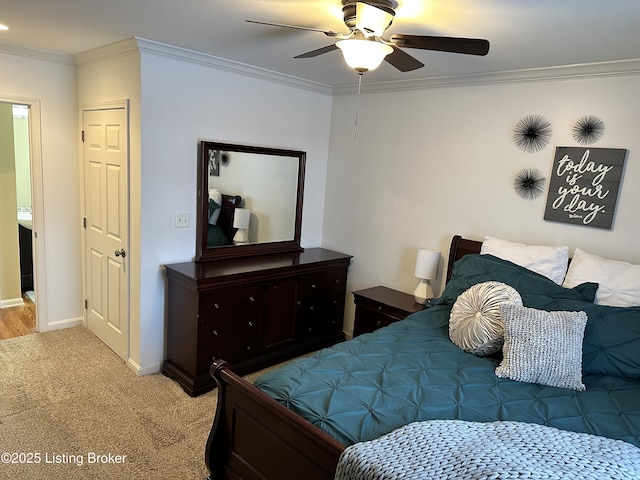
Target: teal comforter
<point>410,371</point>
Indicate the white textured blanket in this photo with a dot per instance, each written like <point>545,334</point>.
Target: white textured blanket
<point>454,449</point>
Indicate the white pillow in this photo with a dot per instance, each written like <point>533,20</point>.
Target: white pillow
<point>618,282</point>
<point>216,196</point>
<point>542,347</point>
<point>547,260</point>
<point>475,323</point>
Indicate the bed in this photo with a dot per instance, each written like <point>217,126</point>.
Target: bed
<point>220,230</point>
<point>300,420</point>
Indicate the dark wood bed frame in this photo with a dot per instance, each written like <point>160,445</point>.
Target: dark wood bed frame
<point>255,437</point>
<point>227,214</point>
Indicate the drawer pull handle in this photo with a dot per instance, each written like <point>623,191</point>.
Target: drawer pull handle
<point>216,306</point>
<point>215,333</point>
<point>248,348</point>
<point>250,324</point>
<point>379,309</point>
<point>313,285</point>
<point>252,299</point>
<point>378,323</point>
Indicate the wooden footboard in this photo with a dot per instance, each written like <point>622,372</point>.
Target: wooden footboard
<point>255,437</point>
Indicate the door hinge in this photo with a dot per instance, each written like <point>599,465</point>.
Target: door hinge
<point>84,222</point>
<point>82,135</point>
<point>86,304</point>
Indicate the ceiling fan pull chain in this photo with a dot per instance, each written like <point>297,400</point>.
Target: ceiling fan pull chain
<point>355,125</point>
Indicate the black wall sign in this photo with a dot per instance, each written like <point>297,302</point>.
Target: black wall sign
<point>584,185</point>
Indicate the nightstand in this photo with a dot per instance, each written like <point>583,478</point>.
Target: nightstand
<point>380,306</point>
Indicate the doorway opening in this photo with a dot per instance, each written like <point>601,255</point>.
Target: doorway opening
<point>17,285</point>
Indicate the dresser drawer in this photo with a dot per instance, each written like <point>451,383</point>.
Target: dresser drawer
<point>228,302</point>
<point>235,350</point>
<point>323,283</point>
<point>369,320</point>
<point>378,307</point>
<point>320,303</point>
<point>381,311</point>
<point>214,332</point>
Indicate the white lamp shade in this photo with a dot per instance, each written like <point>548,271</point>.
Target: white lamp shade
<point>241,218</point>
<point>363,55</point>
<point>427,264</point>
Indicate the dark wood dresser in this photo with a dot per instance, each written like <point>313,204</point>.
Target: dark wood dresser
<point>251,311</point>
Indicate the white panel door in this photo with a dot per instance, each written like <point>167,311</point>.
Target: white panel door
<point>105,160</point>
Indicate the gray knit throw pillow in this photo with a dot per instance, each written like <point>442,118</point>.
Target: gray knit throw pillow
<point>475,323</point>
<point>542,347</point>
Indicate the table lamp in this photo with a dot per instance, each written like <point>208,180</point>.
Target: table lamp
<point>241,222</point>
<point>426,269</point>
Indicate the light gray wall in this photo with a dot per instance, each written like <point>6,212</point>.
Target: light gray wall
<point>49,83</point>
<point>184,102</point>
<point>427,164</point>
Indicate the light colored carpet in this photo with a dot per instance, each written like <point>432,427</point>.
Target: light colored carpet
<point>65,396</point>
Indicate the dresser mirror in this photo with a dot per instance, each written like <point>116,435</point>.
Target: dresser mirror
<point>249,200</point>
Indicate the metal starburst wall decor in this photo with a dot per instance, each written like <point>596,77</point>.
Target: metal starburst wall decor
<point>588,130</point>
<point>532,133</point>
<point>529,183</point>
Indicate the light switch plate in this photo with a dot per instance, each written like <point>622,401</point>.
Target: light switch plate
<point>182,220</point>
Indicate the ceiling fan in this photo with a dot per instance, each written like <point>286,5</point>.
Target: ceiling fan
<point>364,48</point>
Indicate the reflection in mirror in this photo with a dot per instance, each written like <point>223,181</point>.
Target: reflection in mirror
<point>249,200</point>
<point>268,186</point>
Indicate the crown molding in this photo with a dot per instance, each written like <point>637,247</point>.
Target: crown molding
<point>36,54</point>
<point>137,45</point>
<point>108,52</point>
<point>192,56</point>
<point>563,72</point>
<point>151,47</point>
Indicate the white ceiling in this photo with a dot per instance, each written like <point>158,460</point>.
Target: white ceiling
<point>523,34</point>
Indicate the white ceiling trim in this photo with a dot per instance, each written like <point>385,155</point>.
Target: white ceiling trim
<point>614,68</point>
<point>137,44</point>
<point>151,47</point>
<point>565,72</point>
<point>36,54</point>
<point>177,53</point>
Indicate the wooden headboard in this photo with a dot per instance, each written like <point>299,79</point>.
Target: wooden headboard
<point>227,212</point>
<point>459,248</point>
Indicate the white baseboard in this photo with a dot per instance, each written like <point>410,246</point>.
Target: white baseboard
<point>140,371</point>
<point>11,302</point>
<point>66,323</point>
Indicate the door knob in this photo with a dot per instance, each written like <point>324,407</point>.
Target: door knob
<point>120,253</point>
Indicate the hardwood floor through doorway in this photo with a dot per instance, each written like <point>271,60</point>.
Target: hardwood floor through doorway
<point>18,321</point>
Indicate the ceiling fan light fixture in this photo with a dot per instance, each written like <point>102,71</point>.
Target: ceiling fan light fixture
<point>363,55</point>
<point>372,21</point>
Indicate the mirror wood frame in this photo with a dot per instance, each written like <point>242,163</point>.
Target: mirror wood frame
<point>204,253</point>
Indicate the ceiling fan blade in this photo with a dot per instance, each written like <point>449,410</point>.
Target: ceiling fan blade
<point>470,46</point>
<point>402,60</point>
<point>328,33</point>
<point>319,51</point>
